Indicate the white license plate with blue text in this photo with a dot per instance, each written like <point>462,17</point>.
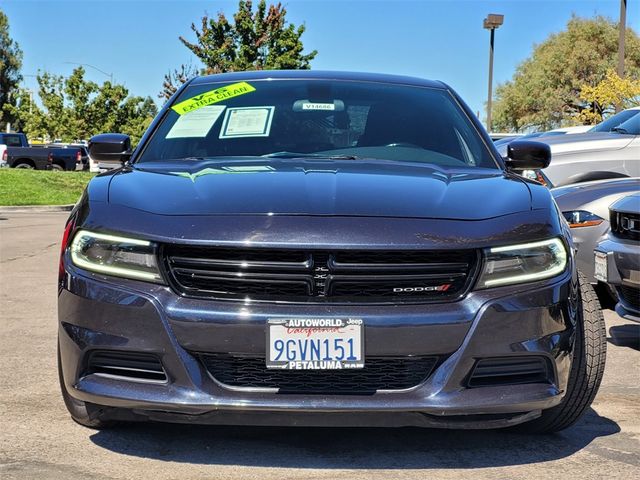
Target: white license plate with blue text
<point>315,343</point>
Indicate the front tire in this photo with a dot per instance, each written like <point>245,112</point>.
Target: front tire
<point>587,368</point>
<point>81,412</point>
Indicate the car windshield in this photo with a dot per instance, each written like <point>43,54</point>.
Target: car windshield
<point>612,122</point>
<point>630,127</point>
<point>318,118</point>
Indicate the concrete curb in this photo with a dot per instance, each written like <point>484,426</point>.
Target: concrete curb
<point>35,208</point>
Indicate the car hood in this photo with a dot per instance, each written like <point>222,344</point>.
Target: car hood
<point>323,188</point>
<point>598,188</point>
<point>596,196</point>
<point>580,142</point>
<point>628,204</point>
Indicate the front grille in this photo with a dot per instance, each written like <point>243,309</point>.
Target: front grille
<point>379,373</point>
<point>319,276</point>
<point>630,297</point>
<point>625,225</point>
<point>129,365</point>
<point>510,371</point>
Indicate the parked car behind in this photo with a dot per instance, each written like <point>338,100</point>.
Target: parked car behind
<point>87,162</point>
<point>585,206</point>
<point>615,120</point>
<point>21,155</point>
<point>593,155</point>
<point>84,162</point>
<point>531,136</point>
<point>570,130</point>
<point>321,248</point>
<point>617,258</point>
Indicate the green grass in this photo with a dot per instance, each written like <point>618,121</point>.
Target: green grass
<point>37,187</point>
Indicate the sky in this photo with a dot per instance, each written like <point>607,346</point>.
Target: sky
<point>137,41</point>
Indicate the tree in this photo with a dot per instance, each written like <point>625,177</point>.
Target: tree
<point>260,40</point>
<point>545,90</point>
<point>76,109</point>
<point>10,64</point>
<point>603,98</point>
<point>175,78</point>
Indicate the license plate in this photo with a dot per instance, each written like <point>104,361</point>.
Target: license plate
<point>315,343</point>
<point>601,266</point>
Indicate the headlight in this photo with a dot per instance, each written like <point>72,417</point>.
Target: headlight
<point>527,262</point>
<point>535,175</point>
<point>582,218</point>
<point>113,255</point>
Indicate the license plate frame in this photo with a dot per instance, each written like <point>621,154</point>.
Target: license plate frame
<point>316,343</point>
<point>601,266</point>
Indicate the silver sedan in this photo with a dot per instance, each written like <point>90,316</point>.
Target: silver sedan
<point>585,206</point>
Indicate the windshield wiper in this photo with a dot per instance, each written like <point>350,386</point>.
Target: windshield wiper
<point>624,131</point>
<point>309,155</point>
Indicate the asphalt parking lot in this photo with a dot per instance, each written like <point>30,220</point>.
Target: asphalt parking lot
<point>39,440</point>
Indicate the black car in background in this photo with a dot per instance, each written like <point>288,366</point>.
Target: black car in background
<point>321,248</point>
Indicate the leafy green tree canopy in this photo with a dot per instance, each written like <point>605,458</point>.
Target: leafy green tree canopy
<point>255,40</point>
<point>75,109</point>
<point>545,91</point>
<point>10,64</point>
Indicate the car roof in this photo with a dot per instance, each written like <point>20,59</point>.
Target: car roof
<point>317,75</point>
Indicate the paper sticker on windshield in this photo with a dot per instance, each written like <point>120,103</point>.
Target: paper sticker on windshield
<point>196,123</point>
<point>213,96</point>
<point>247,122</point>
<point>318,106</point>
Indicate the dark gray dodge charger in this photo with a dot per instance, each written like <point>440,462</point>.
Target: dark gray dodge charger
<point>321,248</point>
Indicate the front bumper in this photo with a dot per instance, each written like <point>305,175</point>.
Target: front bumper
<point>585,240</point>
<point>97,313</point>
<point>623,273</point>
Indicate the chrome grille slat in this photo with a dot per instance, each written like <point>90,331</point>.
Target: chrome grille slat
<point>239,275</point>
<point>625,225</point>
<point>397,278</point>
<point>448,267</point>
<point>243,264</point>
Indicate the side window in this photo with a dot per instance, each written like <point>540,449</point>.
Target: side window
<point>11,140</point>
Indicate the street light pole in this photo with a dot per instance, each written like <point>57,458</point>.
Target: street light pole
<point>30,92</point>
<point>492,22</point>
<point>621,32</point>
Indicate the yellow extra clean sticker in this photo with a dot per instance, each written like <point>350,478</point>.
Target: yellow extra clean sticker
<point>213,96</point>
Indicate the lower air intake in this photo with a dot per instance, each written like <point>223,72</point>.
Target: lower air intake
<point>510,371</point>
<point>128,365</point>
<point>379,373</point>
<point>630,297</point>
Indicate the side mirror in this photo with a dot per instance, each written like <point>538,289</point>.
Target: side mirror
<point>528,155</point>
<point>110,147</point>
